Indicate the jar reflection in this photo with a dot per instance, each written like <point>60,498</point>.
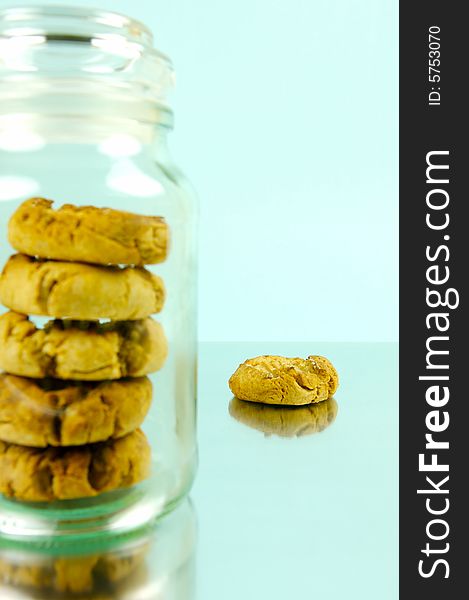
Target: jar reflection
<point>285,421</point>
<point>157,564</point>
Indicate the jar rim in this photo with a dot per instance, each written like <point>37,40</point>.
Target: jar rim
<point>55,49</point>
<point>133,29</point>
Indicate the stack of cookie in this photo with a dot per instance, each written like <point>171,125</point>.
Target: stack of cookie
<point>74,393</point>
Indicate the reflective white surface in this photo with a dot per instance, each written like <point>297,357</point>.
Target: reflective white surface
<point>304,517</point>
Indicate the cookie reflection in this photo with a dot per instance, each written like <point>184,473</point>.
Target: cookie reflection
<point>285,421</point>
<point>155,565</point>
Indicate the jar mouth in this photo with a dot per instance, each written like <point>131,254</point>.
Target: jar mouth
<point>70,21</point>
<point>58,50</point>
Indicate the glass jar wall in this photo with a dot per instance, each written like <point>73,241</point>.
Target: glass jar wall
<point>84,122</point>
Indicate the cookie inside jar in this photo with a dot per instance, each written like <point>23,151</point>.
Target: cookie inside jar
<point>74,393</point>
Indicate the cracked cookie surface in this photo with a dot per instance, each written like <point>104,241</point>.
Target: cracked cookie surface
<point>42,413</point>
<point>87,234</point>
<point>81,350</point>
<point>285,421</point>
<point>78,290</point>
<point>35,475</point>
<point>284,381</point>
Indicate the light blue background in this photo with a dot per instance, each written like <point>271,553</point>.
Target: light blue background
<point>286,122</point>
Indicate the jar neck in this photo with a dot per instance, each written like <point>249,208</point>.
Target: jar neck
<point>78,62</point>
<point>115,135</point>
<point>85,103</point>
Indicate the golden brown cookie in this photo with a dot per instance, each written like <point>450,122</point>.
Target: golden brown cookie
<point>285,421</point>
<point>35,475</point>
<point>42,412</point>
<point>87,234</point>
<point>78,290</point>
<point>280,380</point>
<point>80,350</point>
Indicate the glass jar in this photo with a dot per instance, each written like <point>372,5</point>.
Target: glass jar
<point>84,119</point>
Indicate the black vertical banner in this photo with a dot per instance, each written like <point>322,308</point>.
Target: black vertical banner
<point>434,268</point>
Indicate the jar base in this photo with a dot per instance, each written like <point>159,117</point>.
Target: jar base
<point>112,514</point>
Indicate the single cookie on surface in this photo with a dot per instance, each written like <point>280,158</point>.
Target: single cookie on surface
<point>81,350</point>
<point>78,290</point>
<point>45,412</point>
<point>87,234</point>
<point>280,380</point>
<point>285,421</point>
<point>35,475</point>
